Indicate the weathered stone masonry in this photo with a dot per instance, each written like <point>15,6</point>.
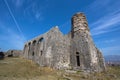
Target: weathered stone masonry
<point>75,50</point>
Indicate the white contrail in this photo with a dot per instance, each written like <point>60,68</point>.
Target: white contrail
<point>17,25</point>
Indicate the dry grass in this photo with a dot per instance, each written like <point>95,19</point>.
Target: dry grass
<point>22,69</point>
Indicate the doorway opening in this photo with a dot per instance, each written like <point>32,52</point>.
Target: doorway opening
<point>78,58</point>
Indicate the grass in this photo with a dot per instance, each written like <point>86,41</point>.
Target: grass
<point>22,69</point>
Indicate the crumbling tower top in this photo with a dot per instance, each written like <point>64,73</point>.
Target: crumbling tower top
<point>79,23</point>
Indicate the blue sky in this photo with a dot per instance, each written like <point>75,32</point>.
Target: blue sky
<point>22,20</point>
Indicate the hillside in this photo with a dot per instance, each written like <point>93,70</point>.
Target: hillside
<point>22,69</point>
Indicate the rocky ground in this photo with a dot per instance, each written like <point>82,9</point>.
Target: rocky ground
<point>22,69</point>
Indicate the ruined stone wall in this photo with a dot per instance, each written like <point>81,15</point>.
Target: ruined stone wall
<point>50,49</point>
<point>14,53</point>
<point>75,50</point>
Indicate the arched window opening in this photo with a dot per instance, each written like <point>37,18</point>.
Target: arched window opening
<point>29,43</point>
<point>41,52</point>
<point>29,47</point>
<point>78,58</point>
<point>33,54</point>
<point>25,46</point>
<point>11,51</point>
<point>34,42</point>
<point>40,40</point>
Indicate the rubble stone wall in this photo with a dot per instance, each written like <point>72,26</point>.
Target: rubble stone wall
<point>75,50</point>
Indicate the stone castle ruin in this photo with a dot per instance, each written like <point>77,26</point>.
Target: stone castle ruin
<point>14,53</point>
<point>75,50</point>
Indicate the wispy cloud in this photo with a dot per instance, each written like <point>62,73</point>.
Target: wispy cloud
<point>98,4</point>
<point>35,10</point>
<point>13,17</point>
<point>108,21</point>
<point>106,24</point>
<point>18,3</point>
<point>10,39</point>
<point>107,41</point>
<point>111,50</point>
<point>63,27</point>
<point>38,16</point>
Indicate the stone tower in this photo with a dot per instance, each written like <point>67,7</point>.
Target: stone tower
<point>84,54</point>
<point>79,23</point>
